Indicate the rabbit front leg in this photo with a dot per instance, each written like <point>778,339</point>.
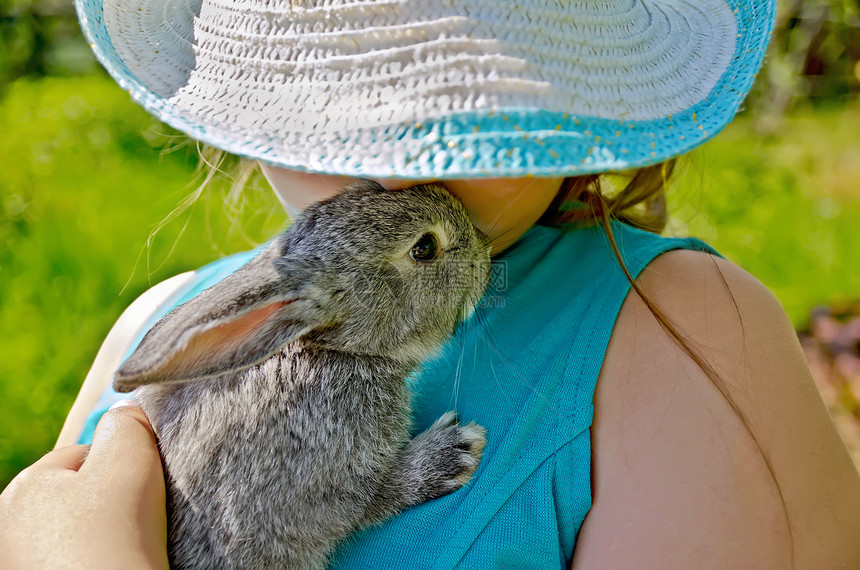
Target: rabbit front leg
<point>436,462</point>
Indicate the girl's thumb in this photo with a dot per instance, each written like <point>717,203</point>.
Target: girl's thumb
<point>123,440</point>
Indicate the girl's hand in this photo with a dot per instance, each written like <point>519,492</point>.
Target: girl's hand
<point>99,506</point>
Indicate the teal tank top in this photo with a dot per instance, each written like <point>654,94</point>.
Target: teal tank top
<point>525,367</point>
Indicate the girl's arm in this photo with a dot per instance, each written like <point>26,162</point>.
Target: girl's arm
<point>112,351</point>
<point>678,480</point>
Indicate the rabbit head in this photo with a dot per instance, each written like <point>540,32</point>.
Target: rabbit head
<point>369,271</point>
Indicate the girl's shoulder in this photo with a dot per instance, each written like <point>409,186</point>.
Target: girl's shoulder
<point>672,457</point>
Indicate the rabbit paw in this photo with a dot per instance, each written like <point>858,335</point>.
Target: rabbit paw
<point>444,458</point>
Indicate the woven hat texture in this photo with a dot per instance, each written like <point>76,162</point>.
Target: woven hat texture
<point>437,88</point>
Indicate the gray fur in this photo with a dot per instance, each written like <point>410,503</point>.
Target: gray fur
<point>282,437</point>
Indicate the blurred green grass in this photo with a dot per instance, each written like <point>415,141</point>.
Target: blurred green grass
<point>82,186</point>
<point>784,205</point>
<point>84,181</point>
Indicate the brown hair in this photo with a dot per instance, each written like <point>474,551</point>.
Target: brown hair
<point>636,198</point>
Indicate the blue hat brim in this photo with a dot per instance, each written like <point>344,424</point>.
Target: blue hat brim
<point>505,142</point>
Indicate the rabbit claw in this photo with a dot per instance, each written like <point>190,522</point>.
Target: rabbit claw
<point>445,456</point>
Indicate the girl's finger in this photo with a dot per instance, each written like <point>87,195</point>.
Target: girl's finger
<point>70,457</point>
<point>124,441</point>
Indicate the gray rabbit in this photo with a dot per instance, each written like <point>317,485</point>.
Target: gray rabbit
<point>278,395</point>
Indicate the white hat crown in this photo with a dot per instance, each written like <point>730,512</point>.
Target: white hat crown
<point>297,77</point>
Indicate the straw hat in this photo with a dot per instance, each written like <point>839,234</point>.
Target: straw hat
<point>437,88</point>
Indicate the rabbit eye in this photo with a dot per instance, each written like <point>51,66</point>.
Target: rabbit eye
<point>425,249</point>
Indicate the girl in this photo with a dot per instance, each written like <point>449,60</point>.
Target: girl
<point>673,426</point>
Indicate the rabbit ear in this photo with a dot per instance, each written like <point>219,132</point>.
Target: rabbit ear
<point>232,325</point>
